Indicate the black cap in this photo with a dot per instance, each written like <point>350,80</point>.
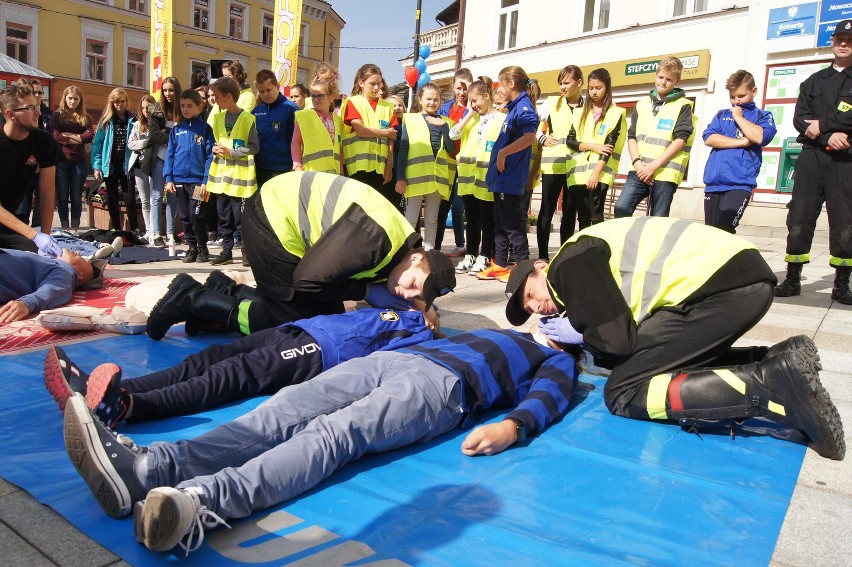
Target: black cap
<point>441,280</point>
<point>515,312</point>
<point>97,281</point>
<point>843,27</point>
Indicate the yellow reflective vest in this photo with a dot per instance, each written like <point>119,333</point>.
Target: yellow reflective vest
<point>366,154</point>
<point>319,151</point>
<point>475,155</point>
<point>426,172</point>
<point>232,177</point>
<point>596,133</point>
<point>655,132</point>
<point>559,160</point>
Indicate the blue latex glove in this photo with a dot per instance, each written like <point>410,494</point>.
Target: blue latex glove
<point>378,295</point>
<point>559,329</point>
<point>47,246</point>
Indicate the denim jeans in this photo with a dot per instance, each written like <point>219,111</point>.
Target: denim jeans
<point>661,192</point>
<point>157,189</point>
<point>70,178</point>
<point>304,433</point>
<point>143,187</point>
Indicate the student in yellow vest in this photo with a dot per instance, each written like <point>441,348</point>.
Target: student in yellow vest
<point>232,174</point>
<point>299,95</point>
<point>246,99</point>
<point>369,131</point>
<point>659,140</point>
<point>318,132</point>
<point>650,300</point>
<point>601,134</point>
<point>426,168</point>
<point>560,120</point>
<point>478,131</point>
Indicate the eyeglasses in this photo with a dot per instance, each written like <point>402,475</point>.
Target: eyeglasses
<point>318,96</point>
<point>27,108</point>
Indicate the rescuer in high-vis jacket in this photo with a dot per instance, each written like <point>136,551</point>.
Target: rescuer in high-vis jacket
<point>660,301</point>
<point>314,240</point>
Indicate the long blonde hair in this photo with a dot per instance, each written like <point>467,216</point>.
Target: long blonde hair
<point>115,94</point>
<point>77,115</point>
<point>142,119</point>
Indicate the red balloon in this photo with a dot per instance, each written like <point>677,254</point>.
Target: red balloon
<point>411,76</point>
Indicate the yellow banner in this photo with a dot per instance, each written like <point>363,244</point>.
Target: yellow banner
<point>161,43</point>
<point>285,40</point>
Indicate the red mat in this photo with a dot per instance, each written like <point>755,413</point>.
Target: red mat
<point>29,335</point>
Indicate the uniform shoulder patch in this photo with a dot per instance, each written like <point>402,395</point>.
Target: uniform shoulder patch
<point>388,316</point>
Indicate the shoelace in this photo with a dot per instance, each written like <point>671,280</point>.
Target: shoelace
<point>204,518</point>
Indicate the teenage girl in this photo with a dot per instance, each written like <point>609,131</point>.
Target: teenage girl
<point>601,132</point>
<point>110,154</point>
<point>559,126</point>
<point>318,132</point>
<point>72,129</point>
<point>369,131</point>
<point>424,163</point>
<point>299,95</point>
<point>143,153</point>
<point>236,71</point>
<point>509,169</point>
<point>478,131</point>
<point>161,120</point>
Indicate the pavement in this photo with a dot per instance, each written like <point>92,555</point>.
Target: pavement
<point>814,530</point>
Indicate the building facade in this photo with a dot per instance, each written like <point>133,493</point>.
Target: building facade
<point>781,42</point>
<point>102,44</point>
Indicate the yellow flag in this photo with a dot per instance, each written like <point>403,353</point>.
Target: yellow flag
<point>161,43</point>
<point>285,40</point>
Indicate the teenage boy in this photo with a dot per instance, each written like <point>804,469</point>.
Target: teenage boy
<point>306,432</point>
<point>188,158</point>
<point>659,140</point>
<point>737,136</point>
<point>275,120</point>
<point>26,149</point>
<point>660,301</point>
<point>232,173</point>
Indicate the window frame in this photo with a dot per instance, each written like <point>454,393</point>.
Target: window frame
<point>195,6</point>
<point>596,16</point>
<point>145,6</point>
<point>263,28</point>
<point>95,57</point>
<point>26,16</point>
<point>304,37</point>
<point>332,45</point>
<point>244,17</point>
<point>508,13</point>
<point>25,42</point>
<point>138,66</point>
<point>688,8</point>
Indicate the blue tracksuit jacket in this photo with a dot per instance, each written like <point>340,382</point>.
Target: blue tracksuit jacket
<point>190,152</point>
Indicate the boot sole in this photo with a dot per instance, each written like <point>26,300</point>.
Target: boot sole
<point>154,332</point>
<point>99,381</point>
<point>54,379</point>
<point>87,454</point>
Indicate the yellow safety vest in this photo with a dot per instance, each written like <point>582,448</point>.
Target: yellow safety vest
<point>366,154</point>
<point>596,134</point>
<point>558,160</point>
<point>475,155</point>
<point>426,173</point>
<point>659,261</point>
<point>655,133</point>
<point>302,206</point>
<point>232,177</point>
<point>319,152</point>
<point>247,99</point>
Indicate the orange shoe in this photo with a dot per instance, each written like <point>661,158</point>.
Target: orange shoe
<point>505,277</point>
<point>493,272</point>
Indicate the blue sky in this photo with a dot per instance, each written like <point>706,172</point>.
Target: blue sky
<point>395,19</point>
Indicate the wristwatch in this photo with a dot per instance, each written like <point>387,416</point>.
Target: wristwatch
<point>521,429</point>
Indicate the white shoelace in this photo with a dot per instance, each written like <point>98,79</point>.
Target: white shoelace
<point>204,518</point>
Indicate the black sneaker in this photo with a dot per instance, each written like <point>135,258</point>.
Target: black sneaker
<point>104,459</point>
<point>203,256</point>
<point>169,515</point>
<point>62,377</point>
<point>222,258</point>
<point>159,242</point>
<point>106,397</point>
<point>190,256</point>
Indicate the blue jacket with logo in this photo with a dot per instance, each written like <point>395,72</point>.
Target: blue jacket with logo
<point>522,119</point>
<point>190,152</point>
<point>275,124</point>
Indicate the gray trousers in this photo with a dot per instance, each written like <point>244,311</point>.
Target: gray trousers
<point>304,433</point>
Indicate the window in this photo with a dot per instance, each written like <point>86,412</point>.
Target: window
<point>236,21</point>
<point>201,15</point>
<point>195,66</point>
<point>18,42</point>
<point>332,49</point>
<point>95,60</point>
<point>685,7</point>
<point>266,30</point>
<point>507,34</point>
<point>136,68</point>
<point>137,6</point>
<point>596,15</point>
<point>303,39</point>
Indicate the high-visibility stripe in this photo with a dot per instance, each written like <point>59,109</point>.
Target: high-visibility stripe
<point>330,205</point>
<point>836,262</point>
<point>797,258</point>
<point>654,278</point>
<point>776,408</point>
<point>243,316</point>
<point>658,389</point>
<point>320,154</point>
<point>304,203</point>
<point>731,380</point>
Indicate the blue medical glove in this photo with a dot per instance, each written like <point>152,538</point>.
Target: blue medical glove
<point>47,246</point>
<point>378,295</point>
<point>559,329</point>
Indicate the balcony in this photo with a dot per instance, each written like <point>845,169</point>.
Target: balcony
<point>441,38</point>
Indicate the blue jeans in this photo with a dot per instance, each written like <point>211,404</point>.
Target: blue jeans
<point>661,192</point>
<point>70,178</point>
<point>157,185</point>
<point>304,433</point>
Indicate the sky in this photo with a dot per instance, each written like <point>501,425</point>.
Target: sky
<point>396,21</point>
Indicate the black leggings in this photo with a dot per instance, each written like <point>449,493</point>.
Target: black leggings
<point>480,226</point>
<point>117,178</point>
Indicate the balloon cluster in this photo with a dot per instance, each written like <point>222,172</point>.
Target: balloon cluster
<point>416,75</point>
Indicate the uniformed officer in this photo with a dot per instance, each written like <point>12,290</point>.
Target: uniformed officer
<point>824,170</point>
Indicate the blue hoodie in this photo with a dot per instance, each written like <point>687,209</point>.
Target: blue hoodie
<point>522,119</point>
<point>190,152</point>
<point>736,168</point>
<point>275,124</point>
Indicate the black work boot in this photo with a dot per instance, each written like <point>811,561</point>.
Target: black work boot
<point>220,283</point>
<point>799,342</point>
<point>792,284</point>
<point>840,292</point>
<point>784,388</point>
<point>186,297</point>
<point>190,256</point>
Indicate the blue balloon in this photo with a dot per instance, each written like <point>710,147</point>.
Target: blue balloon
<point>423,79</point>
<point>420,64</point>
<point>425,51</point>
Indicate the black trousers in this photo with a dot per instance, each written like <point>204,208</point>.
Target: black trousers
<point>118,179</point>
<point>724,209</point>
<point>230,212</point>
<point>258,364</point>
<point>480,226</point>
<point>684,337</point>
<point>192,216</point>
<point>821,177</point>
<point>263,175</point>
<point>510,228</point>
